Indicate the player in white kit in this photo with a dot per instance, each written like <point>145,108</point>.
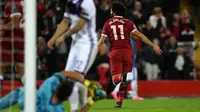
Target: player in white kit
<point>79,22</point>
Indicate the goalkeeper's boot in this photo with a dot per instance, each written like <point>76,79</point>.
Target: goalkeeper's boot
<point>118,105</point>
<point>124,82</point>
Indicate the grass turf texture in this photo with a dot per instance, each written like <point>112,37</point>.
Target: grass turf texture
<point>147,105</point>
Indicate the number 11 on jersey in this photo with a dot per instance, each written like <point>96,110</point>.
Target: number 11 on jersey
<point>114,28</point>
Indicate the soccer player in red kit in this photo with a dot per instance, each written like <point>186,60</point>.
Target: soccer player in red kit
<point>119,31</point>
<point>12,37</point>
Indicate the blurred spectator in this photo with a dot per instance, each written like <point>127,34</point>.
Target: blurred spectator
<point>41,6</point>
<point>175,25</point>
<point>137,16</point>
<point>170,46</point>
<point>152,62</point>
<point>148,31</point>
<point>187,29</point>
<point>103,13</point>
<point>158,22</point>
<point>182,65</point>
<point>149,5</point>
<point>42,58</point>
<point>164,35</point>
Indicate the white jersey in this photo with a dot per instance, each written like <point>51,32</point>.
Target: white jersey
<point>86,9</point>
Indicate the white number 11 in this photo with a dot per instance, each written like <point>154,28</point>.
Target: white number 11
<point>114,28</point>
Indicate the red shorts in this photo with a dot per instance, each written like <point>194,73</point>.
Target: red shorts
<point>11,52</point>
<point>121,60</point>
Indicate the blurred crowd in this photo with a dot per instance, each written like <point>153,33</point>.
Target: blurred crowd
<point>160,20</point>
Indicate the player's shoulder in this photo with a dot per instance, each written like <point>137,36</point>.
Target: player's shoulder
<point>87,4</point>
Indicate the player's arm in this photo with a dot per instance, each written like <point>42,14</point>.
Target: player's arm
<point>136,34</point>
<point>85,108</point>
<point>13,24</point>
<point>144,39</point>
<point>81,23</point>
<point>69,32</point>
<point>62,27</point>
<point>101,41</point>
<point>92,99</point>
<point>76,76</point>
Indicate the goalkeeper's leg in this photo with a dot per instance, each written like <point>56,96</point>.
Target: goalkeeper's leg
<point>9,100</point>
<point>92,87</point>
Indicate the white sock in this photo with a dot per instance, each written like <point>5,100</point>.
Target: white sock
<point>83,94</point>
<point>116,90</point>
<point>134,83</point>
<point>74,99</point>
<point>134,88</point>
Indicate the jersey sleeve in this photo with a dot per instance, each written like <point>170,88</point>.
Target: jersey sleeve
<point>132,26</point>
<point>105,30</point>
<point>88,10</point>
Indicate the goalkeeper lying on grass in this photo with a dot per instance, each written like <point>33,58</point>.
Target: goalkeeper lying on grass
<point>53,92</point>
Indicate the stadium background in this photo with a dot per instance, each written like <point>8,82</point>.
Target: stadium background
<point>171,39</point>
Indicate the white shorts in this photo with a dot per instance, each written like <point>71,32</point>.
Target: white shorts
<point>81,56</point>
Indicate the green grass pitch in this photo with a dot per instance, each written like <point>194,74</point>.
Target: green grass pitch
<point>147,105</point>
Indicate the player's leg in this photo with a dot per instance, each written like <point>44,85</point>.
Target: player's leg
<point>83,93</point>
<point>116,66</point>
<point>21,98</point>
<point>134,85</point>
<point>73,99</point>
<point>92,48</point>
<point>127,69</point>
<point>81,60</point>
<point>9,99</point>
<point>114,93</point>
<point>100,94</point>
<point>116,90</point>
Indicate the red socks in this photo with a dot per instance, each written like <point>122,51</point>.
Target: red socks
<point>117,79</point>
<point>122,93</point>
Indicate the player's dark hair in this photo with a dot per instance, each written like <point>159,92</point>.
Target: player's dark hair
<point>64,90</point>
<point>119,8</point>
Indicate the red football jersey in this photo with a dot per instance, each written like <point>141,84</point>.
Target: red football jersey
<point>14,7</point>
<point>118,30</point>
